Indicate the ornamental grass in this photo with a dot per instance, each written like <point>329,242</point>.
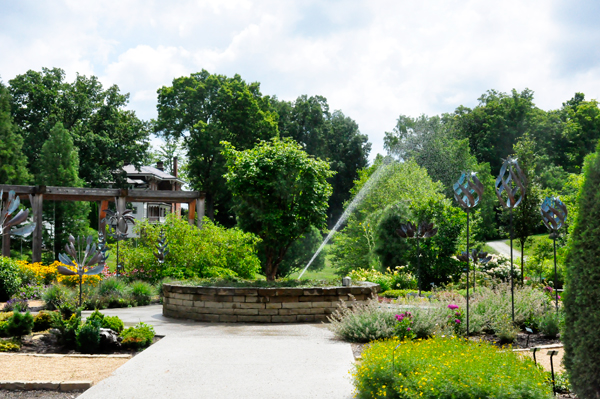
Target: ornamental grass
<point>446,368</point>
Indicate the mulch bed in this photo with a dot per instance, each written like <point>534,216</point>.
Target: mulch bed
<point>37,394</point>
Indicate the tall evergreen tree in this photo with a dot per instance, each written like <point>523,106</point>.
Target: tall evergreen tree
<point>582,314</point>
<point>13,163</point>
<point>61,168</point>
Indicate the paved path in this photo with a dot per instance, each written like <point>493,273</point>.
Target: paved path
<point>503,249</point>
<point>209,360</point>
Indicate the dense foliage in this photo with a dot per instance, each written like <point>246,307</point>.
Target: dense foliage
<point>441,368</point>
<point>13,163</point>
<point>582,353</point>
<point>207,252</point>
<point>10,279</point>
<point>279,192</point>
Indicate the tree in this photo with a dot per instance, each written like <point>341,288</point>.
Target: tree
<point>581,131</point>
<point>330,136</point>
<point>106,135</point>
<point>582,315</point>
<point>171,149</point>
<point>279,193</point>
<point>206,109</point>
<point>62,169</point>
<point>13,163</point>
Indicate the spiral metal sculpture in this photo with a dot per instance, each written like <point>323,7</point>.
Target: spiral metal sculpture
<point>554,215</point>
<point>423,230</point>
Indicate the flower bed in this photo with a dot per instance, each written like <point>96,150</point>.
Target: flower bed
<point>264,305</point>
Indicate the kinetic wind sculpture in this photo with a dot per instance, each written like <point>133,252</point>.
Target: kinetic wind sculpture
<point>511,183</point>
<point>468,191</point>
<point>162,247</point>
<point>117,224</point>
<point>7,223</point>
<point>82,262</point>
<point>554,216</point>
<point>478,258</point>
<point>424,230</point>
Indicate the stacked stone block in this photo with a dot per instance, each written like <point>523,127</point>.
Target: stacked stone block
<point>262,305</point>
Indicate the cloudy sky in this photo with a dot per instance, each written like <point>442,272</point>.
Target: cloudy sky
<point>372,59</point>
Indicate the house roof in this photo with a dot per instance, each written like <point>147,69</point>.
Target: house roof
<point>132,172</point>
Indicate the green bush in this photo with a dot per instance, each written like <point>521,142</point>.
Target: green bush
<point>42,321</point>
<point>363,322</point>
<point>582,314</point>
<point>19,324</point>
<point>114,323</point>
<point>111,293</point>
<point>87,336</point>
<point>505,330</point>
<point>393,294</point>
<point>142,292</point>
<point>446,368</point>
<point>10,279</point>
<point>67,328</point>
<point>3,332</point>
<point>137,337</point>
<point>57,295</point>
<point>191,250</point>
<point>549,323</point>
<point>300,253</point>
<point>9,346</point>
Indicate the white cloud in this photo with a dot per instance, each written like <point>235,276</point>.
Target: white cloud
<point>372,59</point>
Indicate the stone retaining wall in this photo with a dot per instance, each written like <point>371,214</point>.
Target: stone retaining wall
<point>264,305</point>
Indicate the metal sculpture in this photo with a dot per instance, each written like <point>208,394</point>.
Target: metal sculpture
<point>511,183</point>
<point>82,262</point>
<point>162,247</point>
<point>117,224</point>
<point>554,216</point>
<point>424,230</point>
<point>7,223</point>
<point>476,257</point>
<point>468,191</point>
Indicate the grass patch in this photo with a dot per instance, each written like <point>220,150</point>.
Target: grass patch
<point>441,368</point>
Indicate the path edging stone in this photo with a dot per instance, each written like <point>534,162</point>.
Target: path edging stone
<point>63,386</point>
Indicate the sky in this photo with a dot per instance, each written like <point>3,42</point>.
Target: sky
<point>373,60</point>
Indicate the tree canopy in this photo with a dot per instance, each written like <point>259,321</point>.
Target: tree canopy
<point>13,163</point>
<point>279,192</point>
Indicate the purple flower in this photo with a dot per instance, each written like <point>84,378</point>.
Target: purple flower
<point>458,313</point>
<point>457,321</point>
<point>399,317</point>
<point>408,329</point>
<point>452,306</point>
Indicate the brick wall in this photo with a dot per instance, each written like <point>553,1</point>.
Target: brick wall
<point>264,305</point>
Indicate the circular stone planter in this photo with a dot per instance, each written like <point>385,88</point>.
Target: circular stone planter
<point>262,305</point>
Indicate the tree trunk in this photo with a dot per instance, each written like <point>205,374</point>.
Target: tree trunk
<point>210,206</point>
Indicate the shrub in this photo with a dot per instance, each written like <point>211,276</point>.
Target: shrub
<point>114,323</point>
<point>9,346</point>
<point>373,276</point>
<point>57,295</point>
<point>42,321</point>
<point>582,313</point>
<point>3,332</point>
<point>19,324</point>
<point>17,304</point>
<point>43,274</point>
<point>10,279</point>
<point>362,322</point>
<point>142,292</point>
<point>549,323</point>
<point>403,293</point>
<point>112,293</point>
<point>437,369</point>
<point>137,337</point>
<point>67,328</point>
<point>87,336</point>
<point>429,321</point>
<point>505,330</point>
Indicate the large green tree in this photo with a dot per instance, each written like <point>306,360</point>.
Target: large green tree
<point>106,135</point>
<point>206,109</point>
<point>330,136</point>
<point>62,169</point>
<point>280,192</point>
<point>582,314</point>
<point>13,163</point>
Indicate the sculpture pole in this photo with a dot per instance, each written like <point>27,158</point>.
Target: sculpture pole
<point>554,216</point>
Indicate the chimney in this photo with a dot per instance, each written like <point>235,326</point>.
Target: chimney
<point>160,165</point>
<point>175,166</point>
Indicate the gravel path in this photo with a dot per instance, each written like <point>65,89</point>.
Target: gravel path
<point>4,394</point>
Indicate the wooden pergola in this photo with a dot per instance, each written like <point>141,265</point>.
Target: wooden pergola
<point>37,194</point>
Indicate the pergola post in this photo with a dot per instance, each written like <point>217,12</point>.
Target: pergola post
<point>37,201</point>
<point>200,209</point>
<point>191,212</point>
<point>101,215</point>
<point>5,237</point>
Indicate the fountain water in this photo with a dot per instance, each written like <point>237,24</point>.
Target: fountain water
<point>357,199</point>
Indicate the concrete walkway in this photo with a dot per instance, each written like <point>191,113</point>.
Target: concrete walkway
<point>503,249</point>
<point>208,360</point>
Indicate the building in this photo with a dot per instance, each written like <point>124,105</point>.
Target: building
<point>153,178</point>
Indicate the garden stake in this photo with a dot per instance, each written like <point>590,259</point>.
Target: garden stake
<point>554,216</point>
<point>514,183</point>
<point>424,230</point>
<point>552,353</point>
<point>534,350</point>
<point>464,191</point>
<point>529,332</point>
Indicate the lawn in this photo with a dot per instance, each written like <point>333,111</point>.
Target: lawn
<point>531,243</point>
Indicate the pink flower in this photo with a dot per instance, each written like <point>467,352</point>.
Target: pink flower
<point>399,317</point>
<point>559,297</point>
<point>452,306</point>
<point>458,313</point>
<point>408,329</point>
<point>457,321</point>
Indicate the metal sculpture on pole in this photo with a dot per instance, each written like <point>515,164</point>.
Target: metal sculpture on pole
<point>554,216</point>
<point>424,230</point>
<point>467,192</point>
<point>7,224</point>
<point>162,247</point>
<point>511,183</point>
<point>82,262</point>
<point>117,224</point>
